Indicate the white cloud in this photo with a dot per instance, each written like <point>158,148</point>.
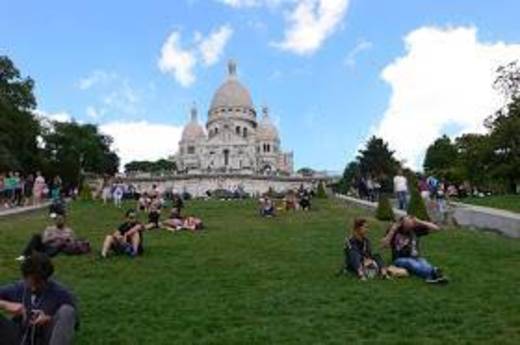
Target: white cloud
<point>444,80</point>
<point>96,77</point>
<point>212,47</point>
<point>95,113</point>
<point>310,23</point>
<point>60,116</point>
<point>177,61</point>
<point>360,47</point>
<point>142,140</point>
<point>181,62</point>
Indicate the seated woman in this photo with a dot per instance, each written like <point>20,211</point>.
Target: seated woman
<point>143,202</point>
<point>127,239</point>
<point>359,258</point>
<point>154,214</point>
<point>267,207</point>
<point>58,238</point>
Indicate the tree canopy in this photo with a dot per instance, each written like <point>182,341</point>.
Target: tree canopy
<point>29,143</point>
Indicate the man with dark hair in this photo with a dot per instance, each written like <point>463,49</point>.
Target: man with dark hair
<point>403,238</point>
<point>43,311</point>
<point>127,238</point>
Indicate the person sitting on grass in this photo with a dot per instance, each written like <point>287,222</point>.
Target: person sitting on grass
<point>267,207</point>
<point>58,238</point>
<point>359,258</point>
<point>43,312</point>
<point>127,239</point>
<point>403,238</point>
<point>154,214</point>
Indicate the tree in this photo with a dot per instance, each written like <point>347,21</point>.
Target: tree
<point>442,158</point>
<point>305,171</point>
<point>159,166</point>
<point>72,148</point>
<point>350,175</point>
<point>19,127</point>
<point>384,209</point>
<point>377,159</point>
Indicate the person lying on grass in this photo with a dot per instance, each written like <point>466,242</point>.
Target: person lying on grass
<point>43,312</point>
<point>127,239</point>
<point>177,223</point>
<point>154,214</point>
<point>403,238</point>
<point>58,238</point>
<point>359,258</point>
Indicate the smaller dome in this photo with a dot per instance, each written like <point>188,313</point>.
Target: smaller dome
<point>193,130</point>
<point>266,129</point>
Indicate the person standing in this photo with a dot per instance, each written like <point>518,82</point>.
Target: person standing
<point>38,189</point>
<point>118,195</point>
<point>401,190</point>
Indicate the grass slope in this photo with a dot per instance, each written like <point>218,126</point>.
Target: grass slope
<point>504,202</point>
<point>248,280</point>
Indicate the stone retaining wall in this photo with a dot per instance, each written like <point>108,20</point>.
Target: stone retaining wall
<point>477,217</point>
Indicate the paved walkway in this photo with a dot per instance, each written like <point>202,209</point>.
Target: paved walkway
<point>483,218</point>
<point>18,210</point>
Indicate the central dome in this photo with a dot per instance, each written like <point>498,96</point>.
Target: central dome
<point>232,93</point>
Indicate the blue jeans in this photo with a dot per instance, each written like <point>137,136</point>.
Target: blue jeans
<point>416,266</point>
<point>402,199</point>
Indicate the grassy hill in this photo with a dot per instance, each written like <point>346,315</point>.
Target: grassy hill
<point>248,280</point>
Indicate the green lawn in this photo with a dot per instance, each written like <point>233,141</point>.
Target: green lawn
<point>248,280</point>
<point>505,202</point>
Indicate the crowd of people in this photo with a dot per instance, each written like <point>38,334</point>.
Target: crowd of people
<point>293,200</point>
<point>25,190</point>
<point>45,312</point>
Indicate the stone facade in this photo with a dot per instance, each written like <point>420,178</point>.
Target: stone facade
<point>198,185</point>
<point>233,141</point>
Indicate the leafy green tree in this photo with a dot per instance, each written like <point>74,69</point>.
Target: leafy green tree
<point>305,171</point>
<point>72,148</point>
<point>19,127</point>
<point>384,209</point>
<point>441,158</point>
<point>377,159</point>
<point>159,166</point>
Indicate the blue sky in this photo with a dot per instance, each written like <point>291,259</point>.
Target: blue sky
<point>408,70</point>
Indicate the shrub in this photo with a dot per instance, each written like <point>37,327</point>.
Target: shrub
<point>416,207</point>
<point>321,194</point>
<point>384,209</point>
<point>85,192</point>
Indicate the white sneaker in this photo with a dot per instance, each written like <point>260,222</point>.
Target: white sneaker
<point>20,258</point>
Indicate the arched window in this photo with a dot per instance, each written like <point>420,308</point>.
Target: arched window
<point>244,132</point>
<point>216,130</point>
<point>226,157</point>
<point>237,130</point>
<point>191,150</point>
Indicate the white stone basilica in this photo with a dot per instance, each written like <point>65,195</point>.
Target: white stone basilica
<point>233,142</point>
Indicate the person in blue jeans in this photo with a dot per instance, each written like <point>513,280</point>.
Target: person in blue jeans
<point>403,237</point>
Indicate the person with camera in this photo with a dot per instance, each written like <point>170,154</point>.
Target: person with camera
<point>359,258</point>
<point>403,238</point>
<point>43,312</point>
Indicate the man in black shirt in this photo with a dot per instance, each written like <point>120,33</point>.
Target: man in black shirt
<point>403,238</point>
<point>126,239</point>
<point>43,311</point>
